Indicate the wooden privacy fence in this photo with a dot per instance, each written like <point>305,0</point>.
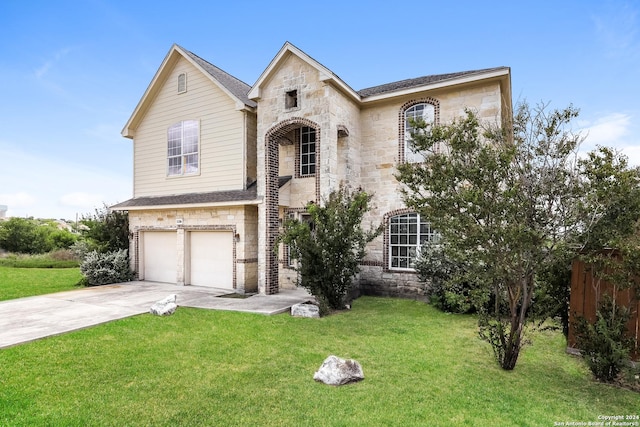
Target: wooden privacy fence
<point>587,292</point>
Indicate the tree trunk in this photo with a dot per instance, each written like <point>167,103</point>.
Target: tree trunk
<point>513,345</point>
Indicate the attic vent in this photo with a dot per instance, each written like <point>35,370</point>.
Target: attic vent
<point>291,99</point>
<point>182,82</point>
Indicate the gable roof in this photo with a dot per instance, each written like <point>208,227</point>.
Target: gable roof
<point>233,87</point>
<point>237,87</point>
<point>326,75</point>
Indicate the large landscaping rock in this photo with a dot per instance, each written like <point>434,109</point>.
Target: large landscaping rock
<point>337,371</point>
<point>305,309</point>
<point>165,307</point>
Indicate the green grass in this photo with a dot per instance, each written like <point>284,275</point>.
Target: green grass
<point>201,367</point>
<point>49,260</point>
<point>25,282</point>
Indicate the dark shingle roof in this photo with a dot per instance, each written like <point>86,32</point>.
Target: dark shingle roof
<point>191,198</point>
<point>420,81</point>
<point>237,87</point>
<point>198,198</point>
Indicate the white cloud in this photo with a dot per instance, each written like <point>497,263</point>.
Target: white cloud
<point>81,200</point>
<point>607,130</point>
<point>614,130</point>
<point>47,187</point>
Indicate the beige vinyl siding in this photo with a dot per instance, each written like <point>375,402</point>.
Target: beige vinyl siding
<point>221,137</point>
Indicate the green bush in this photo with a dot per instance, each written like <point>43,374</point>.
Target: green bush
<point>447,284</point>
<point>106,268</point>
<point>30,236</point>
<point>107,230</point>
<point>551,296</point>
<point>604,344</point>
<point>330,247</point>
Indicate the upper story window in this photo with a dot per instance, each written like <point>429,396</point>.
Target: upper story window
<point>407,234</point>
<point>182,82</point>
<point>307,151</point>
<point>423,111</point>
<point>182,148</point>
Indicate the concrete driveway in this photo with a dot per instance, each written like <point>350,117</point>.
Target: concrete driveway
<point>27,319</point>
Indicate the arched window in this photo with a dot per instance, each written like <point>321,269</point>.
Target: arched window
<point>422,111</point>
<point>407,234</point>
<point>182,148</point>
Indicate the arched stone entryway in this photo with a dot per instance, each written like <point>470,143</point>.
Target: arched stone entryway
<point>273,138</point>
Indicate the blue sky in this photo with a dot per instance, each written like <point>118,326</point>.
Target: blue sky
<point>73,71</point>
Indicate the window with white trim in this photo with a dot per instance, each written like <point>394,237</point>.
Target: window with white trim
<point>407,234</point>
<point>307,151</point>
<point>182,148</point>
<point>419,112</point>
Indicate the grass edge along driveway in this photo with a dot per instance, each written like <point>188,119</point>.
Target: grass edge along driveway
<point>27,282</point>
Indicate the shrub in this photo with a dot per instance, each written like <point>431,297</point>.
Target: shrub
<point>60,239</point>
<point>107,230</point>
<point>81,248</point>
<point>604,344</point>
<point>447,284</point>
<point>30,236</point>
<point>551,297</point>
<point>329,248</point>
<point>106,268</point>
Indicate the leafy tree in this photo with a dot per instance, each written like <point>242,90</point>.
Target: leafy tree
<point>504,201</point>
<point>107,230</point>
<point>30,236</point>
<point>330,247</point>
<point>611,247</point>
<point>612,209</point>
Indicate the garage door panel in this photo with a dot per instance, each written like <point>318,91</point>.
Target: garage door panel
<point>160,256</point>
<point>211,259</point>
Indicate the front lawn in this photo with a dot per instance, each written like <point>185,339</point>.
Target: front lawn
<point>201,367</point>
<point>26,282</point>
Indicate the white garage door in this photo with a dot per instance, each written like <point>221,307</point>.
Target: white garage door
<point>211,259</point>
<point>160,256</point>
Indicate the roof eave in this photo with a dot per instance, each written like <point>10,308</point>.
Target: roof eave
<point>248,202</point>
<point>501,73</point>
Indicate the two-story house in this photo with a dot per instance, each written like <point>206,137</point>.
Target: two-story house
<point>219,164</point>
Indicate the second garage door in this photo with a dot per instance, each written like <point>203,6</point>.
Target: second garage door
<point>211,259</point>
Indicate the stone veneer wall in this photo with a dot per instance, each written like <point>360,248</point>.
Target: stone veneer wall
<point>319,105</point>
<point>241,220</point>
<point>381,150</point>
<point>365,156</point>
